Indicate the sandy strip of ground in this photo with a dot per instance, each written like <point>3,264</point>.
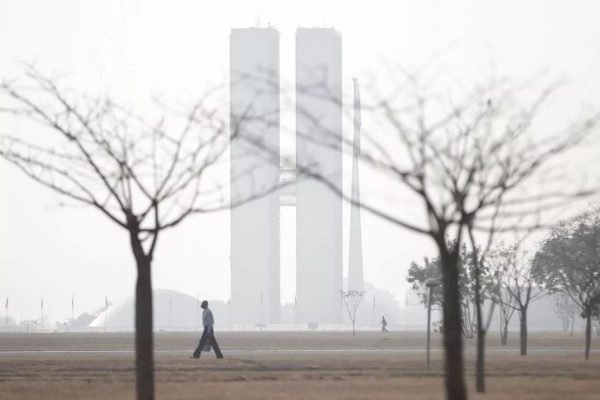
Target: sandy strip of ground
<point>386,371</point>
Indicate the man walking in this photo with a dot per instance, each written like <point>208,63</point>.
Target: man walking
<point>383,324</point>
<point>208,335</point>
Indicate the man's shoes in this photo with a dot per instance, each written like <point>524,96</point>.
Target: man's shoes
<point>194,356</point>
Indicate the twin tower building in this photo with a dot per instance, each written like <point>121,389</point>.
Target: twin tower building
<point>255,98</point>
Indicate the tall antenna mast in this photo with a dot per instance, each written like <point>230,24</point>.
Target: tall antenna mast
<point>258,13</point>
<point>355,257</point>
<point>357,117</point>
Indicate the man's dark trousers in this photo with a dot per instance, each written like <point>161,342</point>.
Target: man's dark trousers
<point>208,334</point>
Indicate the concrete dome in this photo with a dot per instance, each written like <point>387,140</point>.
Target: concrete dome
<point>172,310</point>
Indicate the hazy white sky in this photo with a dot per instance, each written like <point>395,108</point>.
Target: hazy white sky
<point>133,50</point>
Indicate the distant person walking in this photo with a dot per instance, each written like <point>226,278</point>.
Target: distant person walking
<point>208,335</point>
<point>383,324</point>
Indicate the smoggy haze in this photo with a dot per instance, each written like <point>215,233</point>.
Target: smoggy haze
<point>136,50</point>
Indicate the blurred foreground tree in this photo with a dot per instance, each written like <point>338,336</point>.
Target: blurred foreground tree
<point>470,156</point>
<point>145,175</point>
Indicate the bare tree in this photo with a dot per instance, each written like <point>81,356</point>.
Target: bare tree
<point>506,311</point>
<point>464,158</point>
<point>497,261</point>
<point>521,285</point>
<point>478,260</point>
<point>352,300</point>
<point>566,310</point>
<point>145,175</point>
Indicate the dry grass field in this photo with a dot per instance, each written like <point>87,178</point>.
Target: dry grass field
<point>289,365</point>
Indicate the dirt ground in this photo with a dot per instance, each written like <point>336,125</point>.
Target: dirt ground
<point>289,365</point>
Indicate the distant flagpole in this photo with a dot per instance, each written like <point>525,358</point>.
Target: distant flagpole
<point>72,310</point>
<point>374,318</point>
<point>42,313</point>
<point>197,311</point>
<point>170,308</point>
<point>261,307</point>
<point>105,311</point>
<point>229,310</point>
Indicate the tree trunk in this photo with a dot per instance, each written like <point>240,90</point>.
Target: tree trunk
<point>467,321</point>
<point>144,348</point>
<point>503,331</point>
<point>566,322</point>
<point>453,346</point>
<point>588,333</point>
<point>523,314</point>
<point>479,367</point>
<point>572,322</point>
<point>480,373</point>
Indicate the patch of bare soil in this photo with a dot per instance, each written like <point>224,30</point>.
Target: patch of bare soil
<point>349,374</point>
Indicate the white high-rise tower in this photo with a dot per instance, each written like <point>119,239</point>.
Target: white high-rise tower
<point>318,148</point>
<point>254,97</point>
